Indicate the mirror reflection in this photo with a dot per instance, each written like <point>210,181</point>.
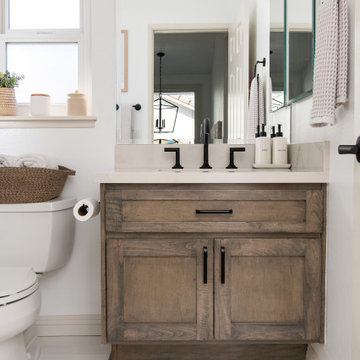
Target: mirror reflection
<point>190,84</point>
<point>300,33</point>
<point>291,50</point>
<point>277,53</point>
<point>207,66</point>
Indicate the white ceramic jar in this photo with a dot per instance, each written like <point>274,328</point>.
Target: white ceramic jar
<point>76,104</point>
<point>39,104</point>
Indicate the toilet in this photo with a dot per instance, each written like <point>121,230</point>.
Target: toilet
<point>35,238</point>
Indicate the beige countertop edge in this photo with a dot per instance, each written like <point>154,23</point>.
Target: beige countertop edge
<point>198,177</point>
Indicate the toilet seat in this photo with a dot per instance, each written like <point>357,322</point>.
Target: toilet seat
<point>16,283</point>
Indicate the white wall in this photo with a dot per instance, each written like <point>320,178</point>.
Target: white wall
<point>75,289</point>
<point>340,215</point>
<point>135,16</point>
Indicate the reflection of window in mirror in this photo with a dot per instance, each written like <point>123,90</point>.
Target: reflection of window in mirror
<point>300,29</point>
<point>277,53</point>
<point>193,79</point>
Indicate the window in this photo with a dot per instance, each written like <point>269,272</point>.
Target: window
<point>45,40</point>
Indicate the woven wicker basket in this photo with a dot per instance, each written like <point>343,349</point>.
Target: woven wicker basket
<point>25,185</point>
<point>7,102</point>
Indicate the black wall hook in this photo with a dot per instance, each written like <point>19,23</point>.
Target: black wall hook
<point>259,62</point>
<point>137,107</point>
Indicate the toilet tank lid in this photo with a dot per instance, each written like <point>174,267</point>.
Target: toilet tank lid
<point>46,206</point>
<point>16,279</point>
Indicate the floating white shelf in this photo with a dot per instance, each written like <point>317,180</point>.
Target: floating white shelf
<point>17,122</point>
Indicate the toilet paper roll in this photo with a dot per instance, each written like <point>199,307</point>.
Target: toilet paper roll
<point>86,209</point>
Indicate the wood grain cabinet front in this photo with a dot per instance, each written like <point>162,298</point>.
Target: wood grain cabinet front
<point>189,268</point>
<point>159,290</point>
<point>268,290</point>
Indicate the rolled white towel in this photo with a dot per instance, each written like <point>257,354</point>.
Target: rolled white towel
<point>7,160</point>
<point>36,160</point>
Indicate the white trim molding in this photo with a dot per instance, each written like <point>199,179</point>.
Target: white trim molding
<point>68,325</point>
<point>48,121</point>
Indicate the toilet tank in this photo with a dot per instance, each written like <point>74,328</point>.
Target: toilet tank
<point>37,235</point>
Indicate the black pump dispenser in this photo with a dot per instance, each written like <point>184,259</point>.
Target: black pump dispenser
<point>273,132</point>
<point>263,132</point>
<point>279,133</point>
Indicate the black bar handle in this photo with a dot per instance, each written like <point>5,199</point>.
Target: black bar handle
<point>205,263</point>
<point>222,251</point>
<point>214,211</point>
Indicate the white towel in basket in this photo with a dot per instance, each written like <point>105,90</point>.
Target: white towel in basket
<point>7,160</point>
<point>36,160</point>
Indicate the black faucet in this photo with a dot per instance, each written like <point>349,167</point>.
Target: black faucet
<point>176,150</point>
<point>232,150</point>
<point>206,165</point>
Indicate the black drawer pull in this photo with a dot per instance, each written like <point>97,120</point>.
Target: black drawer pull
<point>214,211</point>
<point>205,263</point>
<point>222,250</point>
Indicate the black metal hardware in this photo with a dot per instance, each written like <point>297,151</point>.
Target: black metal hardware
<point>351,149</point>
<point>214,211</point>
<point>222,250</point>
<point>205,263</point>
<point>232,151</point>
<point>137,107</point>
<point>176,150</point>
<point>259,62</point>
<point>205,164</point>
<point>83,210</point>
<point>117,107</point>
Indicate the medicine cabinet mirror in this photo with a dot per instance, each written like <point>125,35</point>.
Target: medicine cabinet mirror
<point>292,46</point>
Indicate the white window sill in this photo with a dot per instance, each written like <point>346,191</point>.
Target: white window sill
<point>22,121</point>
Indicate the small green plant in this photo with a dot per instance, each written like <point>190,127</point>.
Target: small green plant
<point>8,80</point>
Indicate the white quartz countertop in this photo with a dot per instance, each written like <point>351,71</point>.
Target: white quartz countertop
<point>243,176</point>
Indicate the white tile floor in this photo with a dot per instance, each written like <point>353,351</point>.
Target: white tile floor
<point>73,348</point>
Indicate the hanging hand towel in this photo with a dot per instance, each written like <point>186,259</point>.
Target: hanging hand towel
<point>125,135</point>
<point>331,61</point>
<point>256,106</point>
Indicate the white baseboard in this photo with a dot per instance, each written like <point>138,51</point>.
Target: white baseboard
<point>68,325</point>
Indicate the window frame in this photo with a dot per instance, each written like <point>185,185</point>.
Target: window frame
<point>80,36</point>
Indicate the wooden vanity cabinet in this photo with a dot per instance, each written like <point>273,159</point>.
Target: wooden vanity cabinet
<point>159,290</point>
<point>200,265</point>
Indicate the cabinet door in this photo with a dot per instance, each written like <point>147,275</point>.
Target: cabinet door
<point>268,289</point>
<point>159,290</point>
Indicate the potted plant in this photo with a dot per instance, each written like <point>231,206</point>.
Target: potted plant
<point>8,82</point>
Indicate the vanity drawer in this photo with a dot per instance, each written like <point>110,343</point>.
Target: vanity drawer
<point>181,210</point>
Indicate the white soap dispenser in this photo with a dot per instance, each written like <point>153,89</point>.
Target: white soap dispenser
<point>262,148</point>
<point>279,148</point>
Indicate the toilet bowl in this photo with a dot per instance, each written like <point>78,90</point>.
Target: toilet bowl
<point>19,308</point>
<point>35,238</point>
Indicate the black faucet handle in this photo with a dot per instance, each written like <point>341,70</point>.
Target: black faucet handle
<point>176,150</point>
<point>232,151</point>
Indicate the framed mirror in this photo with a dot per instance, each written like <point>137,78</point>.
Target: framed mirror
<point>190,84</point>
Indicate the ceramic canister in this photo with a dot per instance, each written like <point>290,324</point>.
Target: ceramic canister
<point>40,104</point>
<point>76,104</point>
